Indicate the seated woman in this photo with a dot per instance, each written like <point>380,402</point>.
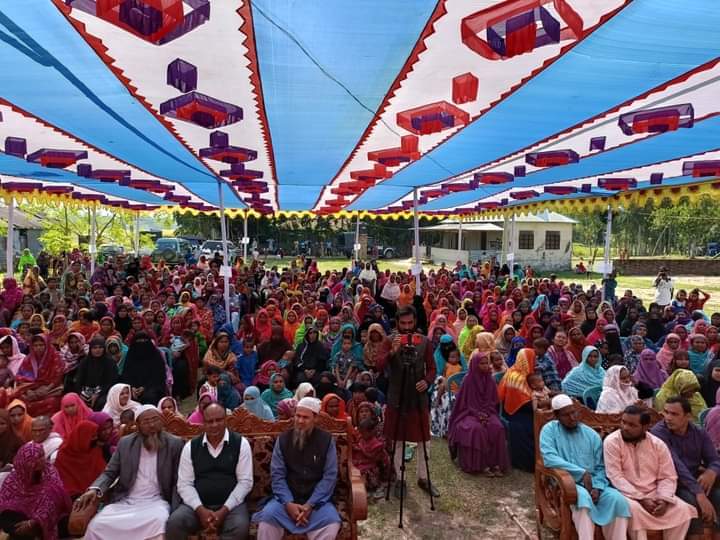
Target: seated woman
<point>32,497</point>
<point>72,412</point>
<point>95,375</point>
<point>682,382</point>
<point>118,401</point>
<point>145,370</point>
<point>588,374</point>
<point>168,405</point>
<point>476,437</point>
<point>255,405</point>
<point>649,371</point>
<point>20,420</point>
<point>618,391</point>
<point>107,435</point>
<point>311,358</point>
<point>39,380</point>
<point>276,393</point>
<point>196,417</point>
<point>80,460</point>
<point>10,443</point>
<point>333,406</point>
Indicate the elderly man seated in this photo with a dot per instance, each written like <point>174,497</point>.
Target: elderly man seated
<point>304,471</point>
<point>567,444</point>
<point>640,467</point>
<point>696,461</point>
<point>145,465</point>
<point>215,476</point>
<point>43,434</point>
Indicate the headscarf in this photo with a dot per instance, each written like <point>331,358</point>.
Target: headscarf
<point>665,355</point>
<point>24,430</point>
<point>470,341</point>
<point>513,389</point>
<point>263,330</point>
<point>377,351</point>
<point>485,342</point>
<point>516,345</point>
<point>649,370</point>
<point>679,382</point>
<point>286,407</point>
<point>46,502</point>
<point>11,296</point>
<point>712,421</point>
<point>79,462</point>
<point>45,370</point>
<point>342,415</point>
<point>709,385</point>
<point>502,345</point>
<point>69,358</point>
<point>303,390</point>
<point>16,357</point>
<point>256,405</point>
<point>272,398</point>
<point>196,417</point>
<point>122,351</point>
<point>63,424</point>
<point>583,376</point>
<point>615,396</point>
<point>698,359</point>
<point>112,404</point>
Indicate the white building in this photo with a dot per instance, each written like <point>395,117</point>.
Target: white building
<point>543,241</point>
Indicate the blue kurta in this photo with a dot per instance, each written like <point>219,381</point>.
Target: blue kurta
<point>577,452</point>
<point>324,512</point>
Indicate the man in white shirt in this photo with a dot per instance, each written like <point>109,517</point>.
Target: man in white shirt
<point>214,477</point>
<point>43,434</point>
<point>664,288</point>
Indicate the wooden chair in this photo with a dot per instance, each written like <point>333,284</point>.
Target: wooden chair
<point>350,497</point>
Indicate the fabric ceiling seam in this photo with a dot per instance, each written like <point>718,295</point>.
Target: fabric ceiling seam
<point>509,92</point>
<point>50,125</point>
<point>568,132</point>
<point>99,48</point>
<point>245,11</point>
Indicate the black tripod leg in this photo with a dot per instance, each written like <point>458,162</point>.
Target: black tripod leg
<point>390,477</point>
<point>427,471</point>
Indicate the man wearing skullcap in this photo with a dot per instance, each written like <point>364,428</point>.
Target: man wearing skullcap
<point>304,472</point>
<point>567,444</point>
<point>145,466</point>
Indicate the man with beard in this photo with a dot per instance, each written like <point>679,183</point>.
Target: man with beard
<point>43,434</point>
<point>567,444</point>
<point>215,476</point>
<point>409,421</point>
<point>640,466</point>
<point>696,462</point>
<point>304,472</point>
<point>145,466</point>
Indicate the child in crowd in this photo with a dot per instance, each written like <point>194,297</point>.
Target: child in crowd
<point>497,363</point>
<point>343,364</point>
<point>212,373</point>
<point>371,458</point>
<point>246,363</point>
<point>453,366</point>
<point>540,393</point>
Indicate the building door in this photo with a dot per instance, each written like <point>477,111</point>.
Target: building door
<point>483,240</point>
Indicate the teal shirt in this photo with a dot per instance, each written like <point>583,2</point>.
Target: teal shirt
<point>577,452</point>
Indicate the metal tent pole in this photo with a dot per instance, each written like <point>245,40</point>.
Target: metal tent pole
<point>226,268</point>
<point>510,255</point>
<point>136,239</point>
<point>245,240</point>
<point>416,247</point>
<point>93,237</point>
<point>459,248</point>
<point>356,247</point>
<point>606,258</point>
<point>10,246</point>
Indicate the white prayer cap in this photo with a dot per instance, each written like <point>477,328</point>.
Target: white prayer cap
<point>560,402</point>
<point>310,403</point>
<point>145,408</point>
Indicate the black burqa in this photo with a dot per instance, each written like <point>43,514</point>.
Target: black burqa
<point>310,355</point>
<point>145,367</point>
<point>96,372</point>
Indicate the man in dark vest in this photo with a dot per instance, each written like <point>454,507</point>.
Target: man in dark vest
<point>214,477</point>
<point>304,470</point>
<point>410,420</point>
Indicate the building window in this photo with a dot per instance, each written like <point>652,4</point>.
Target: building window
<point>526,240</point>
<point>552,240</point>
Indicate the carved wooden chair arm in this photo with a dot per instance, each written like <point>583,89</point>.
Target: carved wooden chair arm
<point>79,521</point>
<point>565,482</point>
<point>358,495</point>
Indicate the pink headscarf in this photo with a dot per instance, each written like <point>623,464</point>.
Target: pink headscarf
<point>63,423</point>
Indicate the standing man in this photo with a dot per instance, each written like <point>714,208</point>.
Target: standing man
<point>640,467</point>
<point>214,477</point>
<point>696,461</point>
<point>304,471</point>
<point>567,444</point>
<point>410,420</point>
<point>664,288</point>
<point>145,466</point>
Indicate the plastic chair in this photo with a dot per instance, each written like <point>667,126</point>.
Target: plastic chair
<point>457,379</point>
<point>701,417</point>
<point>591,395</point>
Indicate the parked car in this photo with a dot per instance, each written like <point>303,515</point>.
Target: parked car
<point>171,250</point>
<point>210,247</point>
<point>106,251</point>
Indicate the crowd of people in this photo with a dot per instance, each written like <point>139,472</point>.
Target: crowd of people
<point>464,353</point>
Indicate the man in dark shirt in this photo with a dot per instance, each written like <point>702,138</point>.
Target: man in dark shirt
<point>696,461</point>
<point>304,471</point>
